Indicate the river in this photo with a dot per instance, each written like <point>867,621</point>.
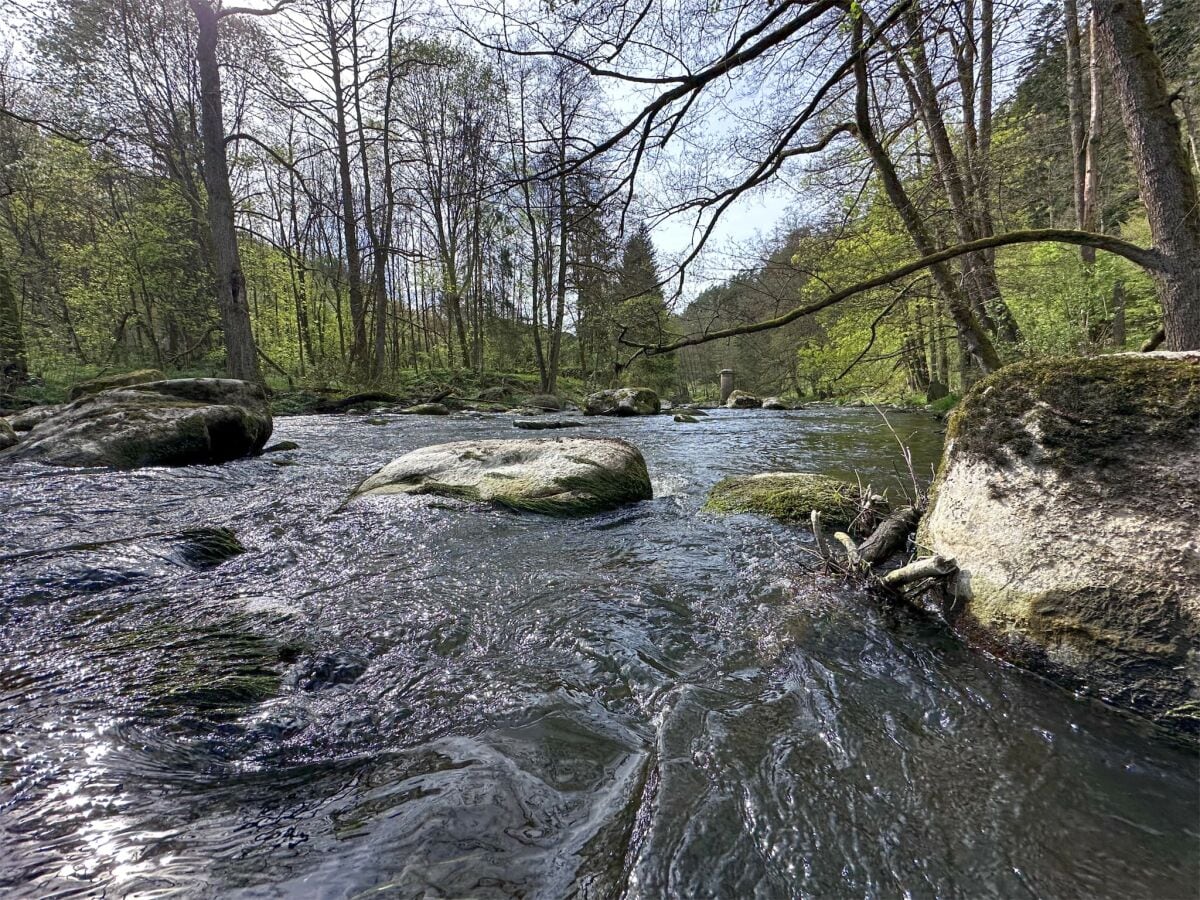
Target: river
<point>654,702</point>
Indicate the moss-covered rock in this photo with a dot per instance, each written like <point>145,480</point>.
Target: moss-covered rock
<point>792,496</point>
<point>630,401</point>
<point>548,402</point>
<point>164,423</point>
<point>686,419</point>
<point>426,409</point>
<point>8,437</point>
<point>1068,494</point>
<point>107,382</point>
<point>561,477</point>
<point>742,400</point>
<point>776,403</point>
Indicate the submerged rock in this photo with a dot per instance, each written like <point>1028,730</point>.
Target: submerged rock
<point>542,425</point>
<point>281,447</point>
<point>425,409</point>
<point>107,382</point>
<point>8,437</point>
<point>775,403</point>
<point>30,418</point>
<point>162,423</point>
<point>630,401</point>
<point>555,476</point>
<point>792,496</point>
<point>686,419</point>
<point>742,400</point>
<point>1068,494</point>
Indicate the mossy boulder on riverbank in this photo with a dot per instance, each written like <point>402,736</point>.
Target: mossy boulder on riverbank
<point>556,476</point>
<point>163,423</point>
<point>8,437</point>
<point>791,497</point>
<point>1068,494</point>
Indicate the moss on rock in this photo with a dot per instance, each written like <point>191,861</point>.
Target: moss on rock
<point>791,497</point>
<point>107,382</point>
<point>1075,413</point>
<point>560,477</point>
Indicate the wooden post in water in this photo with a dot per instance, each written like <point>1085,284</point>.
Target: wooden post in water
<point>726,384</point>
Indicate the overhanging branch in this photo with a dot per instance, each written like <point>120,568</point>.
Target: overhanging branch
<point>1146,258</point>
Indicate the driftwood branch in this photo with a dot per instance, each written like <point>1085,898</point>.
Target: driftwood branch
<point>926,567</point>
<point>889,537</point>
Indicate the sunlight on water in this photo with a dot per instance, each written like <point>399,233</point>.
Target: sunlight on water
<point>424,697</point>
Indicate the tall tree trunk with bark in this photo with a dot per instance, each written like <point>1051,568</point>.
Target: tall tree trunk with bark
<point>1165,179</point>
<point>13,360</point>
<point>241,353</point>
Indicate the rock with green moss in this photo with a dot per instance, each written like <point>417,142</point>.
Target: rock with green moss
<point>107,382</point>
<point>548,402</point>
<point>686,419</point>
<point>792,496</point>
<point>164,423</point>
<point>556,476</point>
<point>776,403</point>
<point>742,400</point>
<point>8,437</point>
<point>425,409</point>
<point>1068,494</point>
<point>630,401</point>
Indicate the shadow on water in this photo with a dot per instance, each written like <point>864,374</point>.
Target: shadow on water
<point>418,698</point>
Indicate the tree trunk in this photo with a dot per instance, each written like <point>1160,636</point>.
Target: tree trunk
<point>241,356</point>
<point>972,333</point>
<point>14,364</point>
<point>1090,219</point>
<point>1165,180</point>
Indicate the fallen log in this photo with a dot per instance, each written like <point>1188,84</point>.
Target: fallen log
<point>926,567</point>
<point>889,537</point>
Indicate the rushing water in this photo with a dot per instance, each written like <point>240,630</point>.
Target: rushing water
<point>654,702</point>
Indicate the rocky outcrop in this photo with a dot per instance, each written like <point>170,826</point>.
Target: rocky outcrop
<point>8,437</point>
<point>631,401</point>
<point>742,400</point>
<point>107,382</point>
<point>163,423</point>
<point>775,403</point>
<point>1068,495</point>
<point>28,419</point>
<point>792,496</point>
<point>563,476</point>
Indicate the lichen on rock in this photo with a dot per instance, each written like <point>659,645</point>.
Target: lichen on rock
<point>791,497</point>
<point>1068,494</point>
<point>556,476</point>
<point>629,401</point>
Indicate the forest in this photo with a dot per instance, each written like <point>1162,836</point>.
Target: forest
<point>343,193</point>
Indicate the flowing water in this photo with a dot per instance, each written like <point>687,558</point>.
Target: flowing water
<point>416,698</point>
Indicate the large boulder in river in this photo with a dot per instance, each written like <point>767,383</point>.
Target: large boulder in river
<point>161,423</point>
<point>791,497</point>
<point>1068,494</point>
<point>630,401</point>
<point>107,382</point>
<point>563,476</point>
<point>8,437</point>
<point>742,400</point>
<point>775,403</point>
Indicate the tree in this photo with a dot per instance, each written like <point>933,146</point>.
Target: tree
<point>241,352</point>
<point>1165,177</point>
